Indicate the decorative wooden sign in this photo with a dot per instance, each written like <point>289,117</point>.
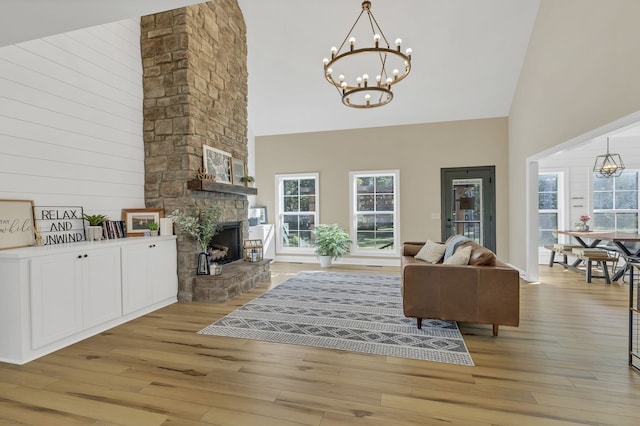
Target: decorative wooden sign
<point>204,176</point>
<point>16,223</point>
<point>57,225</point>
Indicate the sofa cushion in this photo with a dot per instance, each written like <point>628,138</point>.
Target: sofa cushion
<point>431,252</point>
<point>460,257</point>
<point>480,256</point>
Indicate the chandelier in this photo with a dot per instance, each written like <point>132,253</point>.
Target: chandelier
<point>608,165</point>
<point>357,88</point>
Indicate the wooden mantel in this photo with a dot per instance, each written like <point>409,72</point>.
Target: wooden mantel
<point>205,185</point>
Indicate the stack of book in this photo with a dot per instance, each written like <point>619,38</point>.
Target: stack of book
<point>112,229</point>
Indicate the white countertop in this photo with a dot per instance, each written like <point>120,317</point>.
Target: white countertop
<point>23,252</point>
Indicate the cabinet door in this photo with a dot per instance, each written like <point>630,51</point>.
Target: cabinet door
<point>164,270</point>
<point>137,292</point>
<point>56,297</point>
<point>101,287</point>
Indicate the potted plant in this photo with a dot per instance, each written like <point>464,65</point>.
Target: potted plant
<point>153,228</point>
<point>94,230</point>
<point>331,242</point>
<point>247,180</point>
<point>201,225</point>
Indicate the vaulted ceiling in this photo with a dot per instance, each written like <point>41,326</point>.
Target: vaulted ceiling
<point>467,54</point>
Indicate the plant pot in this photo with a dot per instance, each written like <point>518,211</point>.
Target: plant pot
<point>153,233</point>
<point>94,233</point>
<point>325,261</point>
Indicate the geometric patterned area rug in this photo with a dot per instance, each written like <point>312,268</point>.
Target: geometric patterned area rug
<point>345,311</point>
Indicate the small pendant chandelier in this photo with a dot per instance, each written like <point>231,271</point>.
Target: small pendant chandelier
<point>354,66</point>
<point>608,165</point>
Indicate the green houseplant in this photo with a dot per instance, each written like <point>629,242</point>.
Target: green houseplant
<point>94,230</point>
<point>201,225</point>
<point>153,227</point>
<point>247,180</point>
<point>94,219</point>
<point>331,242</point>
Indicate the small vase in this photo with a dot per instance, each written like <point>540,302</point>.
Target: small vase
<point>203,264</point>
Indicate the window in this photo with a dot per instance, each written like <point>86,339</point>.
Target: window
<point>374,209</point>
<point>548,211</point>
<point>297,211</point>
<point>615,202</point>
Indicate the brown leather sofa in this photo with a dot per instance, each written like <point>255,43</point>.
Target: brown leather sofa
<point>485,291</point>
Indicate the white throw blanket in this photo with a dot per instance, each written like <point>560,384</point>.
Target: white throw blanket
<point>453,243</point>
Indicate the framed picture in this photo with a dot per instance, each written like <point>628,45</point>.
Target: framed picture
<point>260,212</point>
<point>237,167</point>
<point>137,220</point>
<point>217,163</point>
<point>16,224</point>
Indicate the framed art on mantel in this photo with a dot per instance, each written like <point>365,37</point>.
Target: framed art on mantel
<point>217,163</point>
<point>238,170</point>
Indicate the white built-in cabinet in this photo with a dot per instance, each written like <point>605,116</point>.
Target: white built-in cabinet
<point>53,296</point>
<point>73,291</point>
<point>144,280</point>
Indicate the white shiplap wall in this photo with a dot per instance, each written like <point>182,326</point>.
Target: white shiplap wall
<point>71,120</point>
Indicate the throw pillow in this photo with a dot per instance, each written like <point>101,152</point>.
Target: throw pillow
<point>431,252</point>
<point>461,257</point>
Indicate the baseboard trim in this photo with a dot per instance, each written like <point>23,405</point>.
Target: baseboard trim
<point>360,261</point>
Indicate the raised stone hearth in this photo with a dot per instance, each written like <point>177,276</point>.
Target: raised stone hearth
<point>237,277</point>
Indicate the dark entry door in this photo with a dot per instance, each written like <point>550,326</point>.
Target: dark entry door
<point>469,204</point>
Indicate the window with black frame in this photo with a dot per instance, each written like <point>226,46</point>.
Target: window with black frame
<point>615,202</point>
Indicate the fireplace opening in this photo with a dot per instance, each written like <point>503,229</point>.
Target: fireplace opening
<point>226,245</point>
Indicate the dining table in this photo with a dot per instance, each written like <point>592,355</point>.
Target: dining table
<point>621,240</point>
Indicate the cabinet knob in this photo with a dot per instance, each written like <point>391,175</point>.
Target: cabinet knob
<point>86,255</point>
<point>152,246</point>
<point>79,256</point>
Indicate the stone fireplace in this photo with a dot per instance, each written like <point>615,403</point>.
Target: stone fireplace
<point>195,94</point>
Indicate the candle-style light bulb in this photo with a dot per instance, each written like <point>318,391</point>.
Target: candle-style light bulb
<point>334,51</point>
<point>389,81</point>
<point>329,71</point>
<point>325,61</point>
<point>365,79</point>
<point>352,41</point>
<point>359,81</point>
<point>367,98</point>
<point>396,72</point>
<point>398,41</point>
<point>376,39</point>
<point>341,77</point>
<point>409,51</point>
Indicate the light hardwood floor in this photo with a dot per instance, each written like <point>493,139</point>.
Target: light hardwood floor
<point>565,364</point>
